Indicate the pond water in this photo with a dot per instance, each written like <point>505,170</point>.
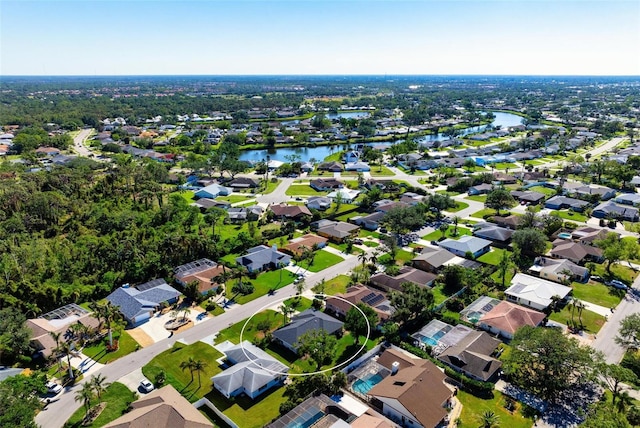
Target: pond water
<point>318,153</point>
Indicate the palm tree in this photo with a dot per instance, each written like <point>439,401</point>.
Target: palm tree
<point>85,395</point>
<point>65,348</point>
<point>579,306</point>
<point>198,366</point>
<point>98,384</point>
<point>286,310</point>
<point>300,286</point>
<point>107,314</point>
<point>490,420</point>
<point>56,350</point>
<point>455,219</point>
<point>189,364</point>
<point>363,257</point>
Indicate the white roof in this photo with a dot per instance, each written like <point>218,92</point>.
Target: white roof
<point>536,290</point>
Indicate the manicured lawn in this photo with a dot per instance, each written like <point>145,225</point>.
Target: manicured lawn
<point>598,293</point>
<point>439,294</point>
<point>343,247</point>
<point>477,198</point>
<point>232,333</point>
<point>117,396</point>
<point>271,187</point>
<point>248,413</point>
<point>507,278</point>
<point>473,408</point>
<point>485,212</point>
<point>187,195</point>
<point>401,257</point>
<point>542,189</point>
<point>98,350</point>
<point>377,171</point>
<point>505,165</point>
<point>303,190</point>
<point>436,234</point>
<point>459,206</point>
<point>492,257</point>
<point>363,233</point>
<point>591,321</point>
<point>322,260</point>
<point>170,360</point>
<point>266,281</point>
<point>370,244</point>
<point>618,271</point>
<point>232,199</point>
<point>335,285</point>
<point>570,215</point>
<point>300,304</point>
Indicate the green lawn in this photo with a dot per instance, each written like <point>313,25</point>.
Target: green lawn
<point>507,278</point>
<point>303,190</point>
<point>618,271</point>
<point>377,171</point>
<point>401,257</point>
<point>98,351</point>
<point>597,293</point>
<point>322,260</point>
<point>248,413</point>
<point>505,165</point>
<point>436,234</point>
<point>591,321</point>
<point>438,294</point>
<point>117,396</point>
<point>542,189</point>
<point>335,285</point>
<point>570,215</point>
<point>477,198</point>
<point>485,212</point>
<point>492,257</point>
<point>473,408</point>
<point>170,360</point>
<point>459,206</point>
<point>266,281</point>
<point>363,233</point>
<point>232,199</point>
<point>187,195</point>
<point>271,186</point>
<point>300,304</point>
<point>232,333</point>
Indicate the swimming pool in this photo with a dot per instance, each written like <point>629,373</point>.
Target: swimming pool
<point>363,386</point>
<point>564,235</point>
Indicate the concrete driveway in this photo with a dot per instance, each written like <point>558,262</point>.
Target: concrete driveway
<point>154,328</point>
<point>132,380</point>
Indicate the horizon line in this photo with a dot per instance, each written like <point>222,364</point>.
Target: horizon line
<point>321,75</point>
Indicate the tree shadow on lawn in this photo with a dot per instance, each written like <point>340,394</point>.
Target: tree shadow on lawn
<point>285,353</point>
<point>350,352</point>
<point>243,401</point>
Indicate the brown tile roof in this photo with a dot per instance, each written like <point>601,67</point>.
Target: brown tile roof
<point>41,327</point>
<point>204,277</point>
<point>574,250</point>
<point>509,317</point>
<point>419,387</point>
<point>306,241</point>
<point>407,274</point>
<point>472,354</point>
<point>291,211</point>
<point>162,408</point>
<point>355,295</point>
<point>368,421</point>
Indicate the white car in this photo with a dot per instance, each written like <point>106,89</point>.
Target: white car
<point>53,388</point>
<point>146,385</point>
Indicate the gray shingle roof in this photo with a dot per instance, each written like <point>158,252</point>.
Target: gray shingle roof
<point>305,322</point>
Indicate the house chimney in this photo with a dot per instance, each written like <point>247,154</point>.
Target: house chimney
<point>394,367</point>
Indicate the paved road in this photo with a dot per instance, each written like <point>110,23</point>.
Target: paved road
<point>57,413</point>
<point>78,143</point>
<point>278,195</point>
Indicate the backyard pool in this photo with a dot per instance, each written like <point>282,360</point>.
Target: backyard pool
<point>363,386</point>
<point>564,235</point>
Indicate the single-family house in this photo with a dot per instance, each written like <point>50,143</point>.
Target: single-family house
<point>472,356</point>
<point>263,258</point>
<point>294,212</point>
<point>377,300</point>
<point>320,203</point>
<point>164,407</point>
<point>529,196</point>
<point>242,214</point>
<point>212,191</point>
<point>611,209</point>
<point>330,166</point>
<point>534,292</point>
<point>137,304</point>
<point>388,282</point>
<point>322,184</point>
<point>347,195</point>
<point>499,235</point>
<point>506,318</point>
<point>243,183</point>
<point>298,246</point>
<point>337,231</point>
<point>434,259</point>
<point>253,371</point>
<point>357,166</point>
<point>47,151</point>
<point>351,156</point>
<point>632,199</point>
<point>588,234</point>
<point>466,245</point>
<point>369,222</point>
<point>503,178</point>
<point>415,393</point>
<point>321,411</point>
<point>202,271</point>
<point>511,222</point>
<point>306,321</point>
<point>574,251</point>
<point>559,202</point>
<point>58,321</point>
<point>559,270</point>
<point>480,189</point>
<point>205,203</point>
<point>586,192</point>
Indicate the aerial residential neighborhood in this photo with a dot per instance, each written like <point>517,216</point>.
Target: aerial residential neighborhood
<point>325,261</point>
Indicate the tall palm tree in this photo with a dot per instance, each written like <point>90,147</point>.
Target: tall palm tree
<point>198,366</point>
<point>363,257</point>
<point>579,306</point>
<point>455,219</point>
<point>98,384</point>
<point>189,364</point>
<point>56,350</point>
<point>490,419</point>
<point>65,348</point>
<point>85,395</point>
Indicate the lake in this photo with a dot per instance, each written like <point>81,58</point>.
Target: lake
<point>502,119</point>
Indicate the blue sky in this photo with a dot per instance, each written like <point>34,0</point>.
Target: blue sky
<point>100,37</point>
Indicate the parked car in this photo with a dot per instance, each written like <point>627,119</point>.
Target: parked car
<point>146,385</point>
<point>617,284</point>
<point>53,388</point>
<point>357,241</point>
<point>596,278</point>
